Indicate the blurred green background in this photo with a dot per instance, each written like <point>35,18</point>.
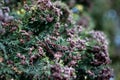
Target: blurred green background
<point>101,15</point>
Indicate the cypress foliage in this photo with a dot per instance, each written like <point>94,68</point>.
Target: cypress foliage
<point>46,44</point>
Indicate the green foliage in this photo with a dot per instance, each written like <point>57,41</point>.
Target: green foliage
<point>46,44</point>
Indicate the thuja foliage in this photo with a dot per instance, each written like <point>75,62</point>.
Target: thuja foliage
<point>46,44</point>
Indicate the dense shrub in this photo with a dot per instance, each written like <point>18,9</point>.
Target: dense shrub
<point>46,44</point>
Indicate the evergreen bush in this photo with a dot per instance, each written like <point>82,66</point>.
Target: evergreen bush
<point>46,44</point>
